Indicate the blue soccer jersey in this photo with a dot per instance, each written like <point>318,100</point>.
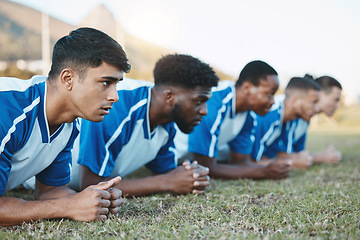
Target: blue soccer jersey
<point>26,147</point>
<point>273,136</point>
<point>221,126</point>
<point>296,131</point>
<point>123,141</point>
<point>267,132</point>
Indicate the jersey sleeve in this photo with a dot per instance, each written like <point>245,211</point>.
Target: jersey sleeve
<point>204,138</point>
<point>243,143</point>
<point>94,150</point>
<point>299,145</point>
<point>300,136</point>
<point>263,130</point>
<point>11,139</point>
<point>58,172</point>
<point>166,158</point>
<point>5,164</point>
<point>277,146</point>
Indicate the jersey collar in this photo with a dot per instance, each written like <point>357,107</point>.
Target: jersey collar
<point>44,127</point>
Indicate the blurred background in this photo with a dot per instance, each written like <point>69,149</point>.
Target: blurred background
<point>319,37</point>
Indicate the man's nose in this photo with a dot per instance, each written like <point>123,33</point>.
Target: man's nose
<point>113,95</point>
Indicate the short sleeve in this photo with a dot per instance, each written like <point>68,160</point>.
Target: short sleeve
<point>299,145</point>
<point>166,158</point>
<point>94,152</point>
<point>11,139</point>
<point>243,143</point>
<point>204,138</point>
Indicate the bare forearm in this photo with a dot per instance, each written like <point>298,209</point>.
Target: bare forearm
<point>143,186</point>
<point>227,171</point>
<point>47,193</point>
<point>240,167</point>
<point>317,158</point>
<point>15,211</point>
<point>55,194</point>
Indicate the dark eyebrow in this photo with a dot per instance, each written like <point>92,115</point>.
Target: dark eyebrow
<point>114,79</point>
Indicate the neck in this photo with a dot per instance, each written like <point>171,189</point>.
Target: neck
<point>158,113</point>
<point>57,111</point>
<point>241,102</point>
<point>289,111</point>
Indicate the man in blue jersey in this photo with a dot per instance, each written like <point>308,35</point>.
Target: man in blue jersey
<point>140,130</point>
<point>294,144</point>
<point>230,122</point>
<point>272,130</point>
<point>38,128</point>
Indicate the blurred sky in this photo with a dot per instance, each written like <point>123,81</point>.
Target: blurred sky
<point>320,37</point>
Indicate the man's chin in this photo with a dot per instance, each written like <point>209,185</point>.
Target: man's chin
<point>263,112</point>
<point>186,130</point>
<point>96,119</point>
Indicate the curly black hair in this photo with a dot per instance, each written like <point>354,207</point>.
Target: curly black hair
<point>185,71</point>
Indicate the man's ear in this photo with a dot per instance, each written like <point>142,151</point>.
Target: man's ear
<point>247,87</point>
<point>296,100</point>
<point>169,96</point>
<point>67,77</point>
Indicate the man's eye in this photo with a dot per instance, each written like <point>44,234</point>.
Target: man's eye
<point>198,102</point>
<point>105,83</point>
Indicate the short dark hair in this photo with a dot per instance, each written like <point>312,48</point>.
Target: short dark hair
<point>254,71</point>
<point>327,83</point>
<point>303,84</point>
<point>184,71</point>
<point>84,48</point>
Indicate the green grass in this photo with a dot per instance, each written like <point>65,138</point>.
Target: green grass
<point>319,203</point>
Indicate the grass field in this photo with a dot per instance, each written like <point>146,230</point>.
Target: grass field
<point>319,203</point>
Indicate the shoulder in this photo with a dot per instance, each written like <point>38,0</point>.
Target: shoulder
<point>223,89</point>
<point>222,85</point>
<point>138,89</point>
<point>301,124</point>
<point>222,95</point>
<point>132,84</point>
<point>279,98</point>
<point>133,94</point>
<point>273,116</point>
<point>19,97</point>
<point>9,84</point>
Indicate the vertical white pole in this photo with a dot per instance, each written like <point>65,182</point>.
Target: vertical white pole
<point>45,42</point>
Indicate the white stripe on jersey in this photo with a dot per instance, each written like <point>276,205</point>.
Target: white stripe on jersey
<point>15,84</point>
<point>117,133</point>
<point>289,147</point>
<point>16,121</point>
<point>263,140</point>
<point>216,124</point>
